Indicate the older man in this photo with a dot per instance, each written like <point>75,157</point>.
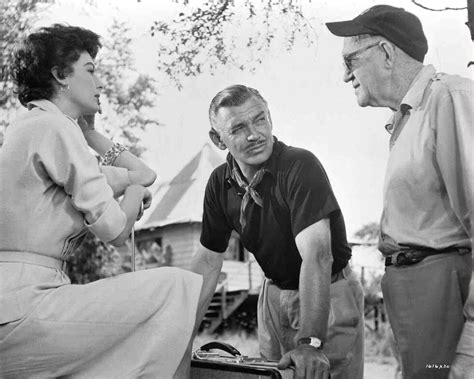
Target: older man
<point>278,198</point>
<point>426,221</point>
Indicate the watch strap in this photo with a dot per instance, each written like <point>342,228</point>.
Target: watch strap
<point>313,341</point>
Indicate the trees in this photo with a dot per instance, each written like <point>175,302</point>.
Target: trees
<point>16,18</point>
<point>368,232</point>
<point>470,14</point>
<point>128,94</point>
<point>198,39</point>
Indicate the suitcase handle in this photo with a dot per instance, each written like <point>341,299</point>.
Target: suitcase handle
<point>221,346</point>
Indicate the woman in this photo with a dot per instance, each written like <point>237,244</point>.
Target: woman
<point>52,191</point>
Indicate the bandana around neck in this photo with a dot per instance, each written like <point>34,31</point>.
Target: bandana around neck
<point>250,191</point>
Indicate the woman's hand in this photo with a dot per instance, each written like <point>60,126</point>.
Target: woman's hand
<point>86,123</point>
<point>146,202</point>
<point>147,197</point>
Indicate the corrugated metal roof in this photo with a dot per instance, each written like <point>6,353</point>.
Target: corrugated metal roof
<point>180,200</point>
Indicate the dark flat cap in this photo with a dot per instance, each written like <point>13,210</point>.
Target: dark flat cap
<point>395,24</point>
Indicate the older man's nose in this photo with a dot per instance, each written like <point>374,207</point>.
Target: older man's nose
<point>347,75</point>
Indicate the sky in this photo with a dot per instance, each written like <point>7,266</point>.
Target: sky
<point>310,105</point>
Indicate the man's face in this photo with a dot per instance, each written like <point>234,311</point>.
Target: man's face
<point>363,68</point>
<point>246,130</point>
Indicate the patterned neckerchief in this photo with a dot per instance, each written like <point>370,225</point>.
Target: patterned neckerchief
<point>249,188</point>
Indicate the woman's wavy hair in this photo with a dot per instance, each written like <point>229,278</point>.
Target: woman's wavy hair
<point>55,46</point>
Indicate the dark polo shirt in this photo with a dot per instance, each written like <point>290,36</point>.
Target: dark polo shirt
<point>296,193</point>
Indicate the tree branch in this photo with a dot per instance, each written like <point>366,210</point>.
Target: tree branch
<point>437,10</point>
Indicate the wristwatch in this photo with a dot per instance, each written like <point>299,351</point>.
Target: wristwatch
<point>313,341</point>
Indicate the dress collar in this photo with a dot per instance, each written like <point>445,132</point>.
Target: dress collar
<point>47,106</point>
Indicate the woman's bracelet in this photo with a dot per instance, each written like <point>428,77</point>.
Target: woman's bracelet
<point>108,159</point>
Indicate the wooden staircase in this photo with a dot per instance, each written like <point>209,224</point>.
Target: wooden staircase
<point>222,305</point>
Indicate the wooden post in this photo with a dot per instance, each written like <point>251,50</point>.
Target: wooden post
<point>224,301</point>
<point>249,266</point>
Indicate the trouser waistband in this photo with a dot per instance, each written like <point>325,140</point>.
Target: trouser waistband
<point>32,258</point>
<point>343,273</point>
<point>411,256</point>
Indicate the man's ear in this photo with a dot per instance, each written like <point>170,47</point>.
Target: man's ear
<point>216,139</point>
<point>389,51</point>
<point>59,76</point>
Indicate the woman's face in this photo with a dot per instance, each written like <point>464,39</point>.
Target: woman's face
<point>83,87</point>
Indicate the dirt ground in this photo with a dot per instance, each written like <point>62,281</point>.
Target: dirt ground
<point>379,370</point>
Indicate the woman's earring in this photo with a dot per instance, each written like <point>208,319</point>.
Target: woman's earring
<point>64,87</point>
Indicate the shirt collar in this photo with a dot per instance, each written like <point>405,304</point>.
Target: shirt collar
<point>414,95</point>
<point>270,165</point>
<point>47,106</point>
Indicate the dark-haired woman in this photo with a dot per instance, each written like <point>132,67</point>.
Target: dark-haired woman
<point>52,191</point>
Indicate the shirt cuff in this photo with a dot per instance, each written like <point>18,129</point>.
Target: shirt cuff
<point>466,342</point>
<point>110,223</point>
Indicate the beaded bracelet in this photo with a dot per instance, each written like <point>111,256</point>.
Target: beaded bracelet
<point>108,159</point>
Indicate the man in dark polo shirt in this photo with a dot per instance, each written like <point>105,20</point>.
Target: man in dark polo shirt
<point>279,200</point>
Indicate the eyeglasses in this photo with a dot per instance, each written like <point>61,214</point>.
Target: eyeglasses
<point>350,57</point>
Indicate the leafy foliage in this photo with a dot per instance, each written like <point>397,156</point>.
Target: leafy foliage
<point>198,39</point>
<point>93,260</point>
<point>16,18</point>
<point>128,94</point>
<point>368,232</point>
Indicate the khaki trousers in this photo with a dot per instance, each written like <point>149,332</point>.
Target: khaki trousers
<point>424,304</point>
<point>278,323</point>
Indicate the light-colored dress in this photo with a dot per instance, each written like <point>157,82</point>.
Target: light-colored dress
<point>52,191</point>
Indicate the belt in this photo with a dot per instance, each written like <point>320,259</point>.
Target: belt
<point>341,274</point>
<point>32,258</point>
<point>411,256</point>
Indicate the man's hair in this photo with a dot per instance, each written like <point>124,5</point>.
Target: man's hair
<point>232,96</point>
<point>55,46</point>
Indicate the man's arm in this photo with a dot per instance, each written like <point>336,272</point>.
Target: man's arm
<point>313,245</point>
<point>209,264</point>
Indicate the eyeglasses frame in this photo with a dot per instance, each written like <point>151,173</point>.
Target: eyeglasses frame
<point>347,59</point>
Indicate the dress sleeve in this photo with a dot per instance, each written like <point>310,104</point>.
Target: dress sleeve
<point>215,231</point>
<point>117,178</point>
<point>64,154</point>
<point>453,128</point>
<point>308,193</point>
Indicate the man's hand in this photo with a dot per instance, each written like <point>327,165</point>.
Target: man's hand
<point>462,367</point>
<point>86,122</point>
<point>309,362</point>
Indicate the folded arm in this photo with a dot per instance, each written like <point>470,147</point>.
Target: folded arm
<point>138,171</point>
